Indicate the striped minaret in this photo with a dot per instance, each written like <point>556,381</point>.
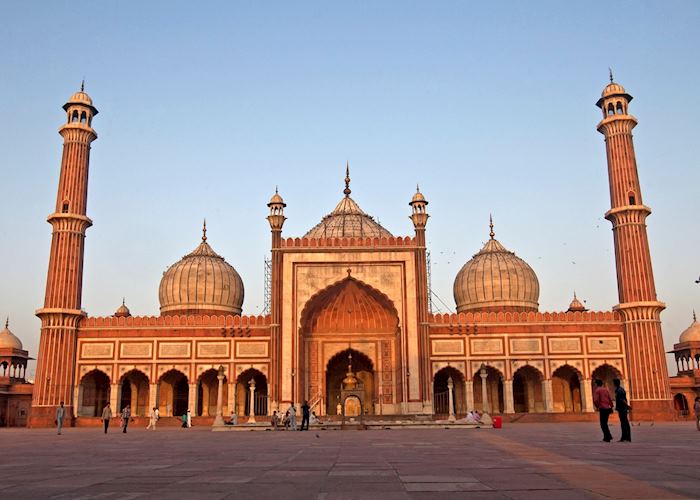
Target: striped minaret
<point>64,283</point>
<point>648,385</point>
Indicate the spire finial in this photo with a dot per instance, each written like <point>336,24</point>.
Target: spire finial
<point>417,188</point>
<point>123,301</point>
<point>7,321</point>
<point>204,231</point>
<point>611,75</point>
<point>574,294</point>
<point>694,318</point>
<point>82,85</point>
<point>347,180</point>
<point>491,233</point>
<point>277,190</point>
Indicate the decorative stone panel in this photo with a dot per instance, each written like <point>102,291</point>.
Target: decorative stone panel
<point>604,344</point>
<point>526,346</point>
<point>174,350</point>
<point>213,349</point>
<point>251,349</point>
<point>97,350</point>
<point>136,350</point>
<point>487,346</point>
<point>448,347</point>
<point>564,345</point>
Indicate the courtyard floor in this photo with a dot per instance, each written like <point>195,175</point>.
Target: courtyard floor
<point>533,461</point>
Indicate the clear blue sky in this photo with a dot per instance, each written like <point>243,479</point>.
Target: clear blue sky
<point>205,107</point>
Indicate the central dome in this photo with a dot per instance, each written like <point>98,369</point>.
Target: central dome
<point>347,220</point>
<point>495,279</point>
<point>201,283</point>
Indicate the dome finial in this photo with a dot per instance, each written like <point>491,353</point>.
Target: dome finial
<point>694,318</point>
<point>82,85</point>
<point>347,180</point>
<point>611,75</point>
<point>491,233</point>
<point>7,321</point>
<point>204,231</point>
<point>277,189</point>
<point>123,301</point>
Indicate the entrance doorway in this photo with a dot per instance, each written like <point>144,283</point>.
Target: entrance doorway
<point>337,369</point>
<point>173,394</point>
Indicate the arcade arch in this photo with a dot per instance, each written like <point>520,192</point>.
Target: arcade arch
<point>528,395</point>
<point>441,396</point>
<point>134,392</point>
<point>494,390</point>
<point>566,390</point>
<point>208,392</point>
<point>247,379</point>
<point>606,373</point>
<point>338,368</point>
<point>173,393</point>
<point>93,393</point>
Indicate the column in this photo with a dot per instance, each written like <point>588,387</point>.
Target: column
<point>451,399</point>
<point>251,402</point>
<point>547,395</point>
<point>586,396</point>
<point>77,394</point>
<point>114,397</point>
<point>485,406</point>
<point>508,396</point>
<point>469,396</point>
<point>191,399</point>
<point>152,397</point>
<point>231,396</point>
<point>219,420</point>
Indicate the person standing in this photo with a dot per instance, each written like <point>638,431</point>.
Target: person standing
<point>622,407</point>
<point>60,415</point>
<point>305,414</point>
<point>106,415</point>
<point>126,415</point>
<point>292,417</point>
<point>603,403</point>
<point>184,420</point>
<point>696,407</point>
<point>189,418</point>
<point>153,418</point>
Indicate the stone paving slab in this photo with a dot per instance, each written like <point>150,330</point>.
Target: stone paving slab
<point>523,461</point>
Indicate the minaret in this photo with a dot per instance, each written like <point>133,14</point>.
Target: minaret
<point>64,283</point>
<point>648,382</point>
<point>419,217</point>
<point>276,220</point>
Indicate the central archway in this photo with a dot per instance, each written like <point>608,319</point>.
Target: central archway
<point>354,314</point>
<point>337,369</point>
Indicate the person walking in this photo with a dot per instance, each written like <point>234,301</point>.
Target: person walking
<point>305,414</point>
<point>292,417</point>
<point>106,415</point>
<point>126,415</point>
<point>622,407</point>
<point>603,404</point>
<point>60,415</point>
<point>153,418</point>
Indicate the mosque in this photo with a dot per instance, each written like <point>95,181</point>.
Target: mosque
<point>349,299</point>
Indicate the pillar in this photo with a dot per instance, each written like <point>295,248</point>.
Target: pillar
<point>451,399</point>
<point>508,396</point>
<point>587,396</point>
<point>485,404</point>
<point>152,397</point>
<point>469,394</point>
<point>219,420</point>
<point>547,396</point>
<point>191,399</point>
<point>251,402</point>
<point>114,397</point>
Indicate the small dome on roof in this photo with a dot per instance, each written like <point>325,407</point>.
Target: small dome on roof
<point>418,197</point>
<point>8,339</point>
<point>122,311</point>
<point>276,199</point>
<point>80,97</point>
<point>347,220</point>
<point>576,305</point>
<point>692,333</point>
<point>613,88</point>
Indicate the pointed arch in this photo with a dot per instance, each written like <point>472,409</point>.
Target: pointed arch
<point>349,306</point>
<point>94,391</point>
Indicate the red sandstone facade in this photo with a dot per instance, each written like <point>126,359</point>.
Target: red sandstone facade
<point>350,292</point>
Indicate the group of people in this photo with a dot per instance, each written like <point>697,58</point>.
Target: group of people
<point>603,403</point>
<point>124,417</point>
<point>289,420</point>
